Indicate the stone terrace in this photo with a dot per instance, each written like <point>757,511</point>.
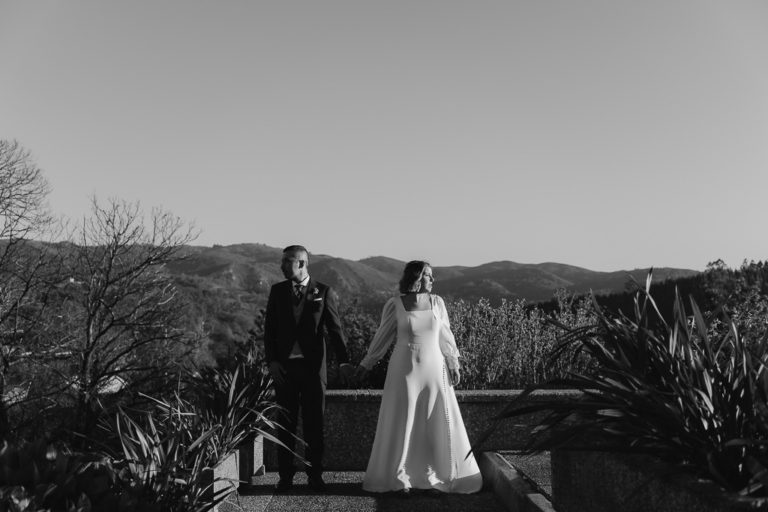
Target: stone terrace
<point>511,482</point>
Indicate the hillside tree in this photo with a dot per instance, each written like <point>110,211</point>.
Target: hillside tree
<point>24,261</point>
<point>124,317</point>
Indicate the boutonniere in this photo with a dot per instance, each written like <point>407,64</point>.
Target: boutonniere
<point>316,295</point>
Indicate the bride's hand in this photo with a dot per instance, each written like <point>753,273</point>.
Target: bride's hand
<point>361,372</point>
<point>455,376</point>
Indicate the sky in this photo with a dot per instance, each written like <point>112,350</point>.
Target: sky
<point>607,134</point>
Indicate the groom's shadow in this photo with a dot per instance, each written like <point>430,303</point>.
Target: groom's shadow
<point>265,485</point>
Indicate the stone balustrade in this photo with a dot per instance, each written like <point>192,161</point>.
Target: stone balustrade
<point>351,416</point>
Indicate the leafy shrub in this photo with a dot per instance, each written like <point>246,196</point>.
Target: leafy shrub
<point>684,392</point>
<point>742,293</point>
<point>502,347</point>
<point>508,346</point>
<point>40,476</point>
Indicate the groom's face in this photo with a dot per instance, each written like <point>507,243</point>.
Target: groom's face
<point>294,265</point>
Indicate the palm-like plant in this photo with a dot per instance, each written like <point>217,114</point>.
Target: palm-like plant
<point>169,450</point>
<point>162,469</point>
<point>681,392</point>
<point>237,404</point>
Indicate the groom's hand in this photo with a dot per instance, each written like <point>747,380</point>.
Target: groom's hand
<point>277,371</point>
<point>361,373</point>
<point>346,370</point>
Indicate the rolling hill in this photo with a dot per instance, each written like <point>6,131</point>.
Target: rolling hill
<point>253,268</point>
<point>226,286</point>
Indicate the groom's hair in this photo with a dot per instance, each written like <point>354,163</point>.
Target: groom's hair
<point>296,249</point>
<point>412,275</point>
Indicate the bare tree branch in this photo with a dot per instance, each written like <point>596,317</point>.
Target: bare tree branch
<point>24,261</point>
<point>127,304</point>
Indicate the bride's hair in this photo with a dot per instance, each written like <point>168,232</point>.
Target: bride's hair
<point>411,280</point>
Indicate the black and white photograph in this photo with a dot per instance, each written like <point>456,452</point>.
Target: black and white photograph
<point>493,255</point>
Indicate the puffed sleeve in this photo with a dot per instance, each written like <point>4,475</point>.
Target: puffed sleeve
<point>385,335</point>
<point>447,341</point>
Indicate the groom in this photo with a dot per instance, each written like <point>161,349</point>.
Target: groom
<point>301,313</point>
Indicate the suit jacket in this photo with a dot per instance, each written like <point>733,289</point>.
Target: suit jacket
<point>318,320</point>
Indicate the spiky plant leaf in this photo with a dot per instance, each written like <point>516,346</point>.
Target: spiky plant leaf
<point>680,391</point>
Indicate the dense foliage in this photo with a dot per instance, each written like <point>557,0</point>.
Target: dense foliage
<point>155,459</point>
<point>693,391</point>
<point>507,347</point>
<point>100,406</point>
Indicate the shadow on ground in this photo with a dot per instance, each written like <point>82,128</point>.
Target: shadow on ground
<point>345,493</point>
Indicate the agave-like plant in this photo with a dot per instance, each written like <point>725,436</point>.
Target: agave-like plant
<point>164,466</point>
<point>238,403</point>
<point>680,391</point>
<point>168,451</point>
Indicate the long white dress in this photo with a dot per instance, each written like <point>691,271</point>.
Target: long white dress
<point>420,439</point>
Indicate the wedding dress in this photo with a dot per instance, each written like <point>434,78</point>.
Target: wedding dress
<point>420,438</point>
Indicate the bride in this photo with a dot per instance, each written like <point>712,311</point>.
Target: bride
<point>420,442</point>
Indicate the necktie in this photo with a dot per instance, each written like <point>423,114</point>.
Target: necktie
<point>298,293</point>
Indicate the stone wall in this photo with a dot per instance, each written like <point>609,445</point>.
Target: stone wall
<point>351,416</point>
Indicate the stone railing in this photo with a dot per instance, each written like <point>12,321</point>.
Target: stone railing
<point>351,416</point>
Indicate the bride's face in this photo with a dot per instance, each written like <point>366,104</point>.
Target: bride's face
<point>426,280</point>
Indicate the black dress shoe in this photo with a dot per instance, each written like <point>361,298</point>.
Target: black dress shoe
<point>316,483</point>
<point>284,485</point>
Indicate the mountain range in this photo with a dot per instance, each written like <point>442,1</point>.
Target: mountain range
<point>253,268</point>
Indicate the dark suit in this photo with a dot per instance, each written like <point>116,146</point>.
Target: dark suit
<point>310,323</point>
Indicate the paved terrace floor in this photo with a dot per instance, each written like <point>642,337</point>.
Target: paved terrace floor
<point>511,479</point>
<point>345,493</point>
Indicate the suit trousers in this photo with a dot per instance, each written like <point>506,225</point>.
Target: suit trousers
<point>303,390</point>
